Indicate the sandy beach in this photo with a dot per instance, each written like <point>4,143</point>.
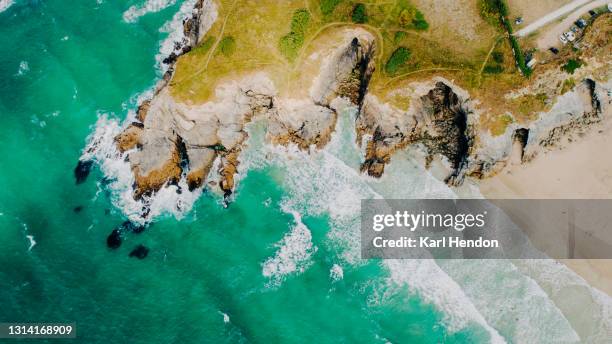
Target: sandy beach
<point>580,168</point>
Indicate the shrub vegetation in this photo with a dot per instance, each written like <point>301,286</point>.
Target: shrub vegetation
<point>359,15</point>
<point>291,43</point>
<point>397,60</point>
<point>328,6</point>
<point>572,65</point>
<point>227,45</point>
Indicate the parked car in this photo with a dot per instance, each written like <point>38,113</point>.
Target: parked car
<point>581,23</point>
<point>592,13</point>
<point>518,20</point>
<point>574,29</point>
<point>570,36</point>
<point>554,50</point>
<point>609,6</point>
<point>563,39</point>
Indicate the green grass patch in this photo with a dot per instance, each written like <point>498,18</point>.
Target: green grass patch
<point>419,21</point>
<point>572,65</point>
<point>359,14</point>
<point>494,69</point>
<point>399,37</point>
<point>328,6</point>
<point>497,56</point>
<point>410,17</point>
<point>568,85</point>
<point>227,46</point>
<point>290,44</point>
<point>399,57</point>
<point>493,10</point>
<point>496,13</point>
<point>300,21</point>
<point>204,46</point>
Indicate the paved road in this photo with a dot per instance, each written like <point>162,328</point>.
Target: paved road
<point>556,14</point>
<point>550,38</point>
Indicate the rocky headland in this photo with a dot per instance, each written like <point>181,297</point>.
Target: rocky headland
<point>171,139</point>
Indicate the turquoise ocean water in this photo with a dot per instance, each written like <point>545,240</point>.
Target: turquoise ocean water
<point>278,265</point>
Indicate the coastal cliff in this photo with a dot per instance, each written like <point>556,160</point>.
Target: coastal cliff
<point>171,138</point>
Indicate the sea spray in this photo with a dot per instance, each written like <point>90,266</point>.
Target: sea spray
<point>293,252</point>
<point>174,28</point>
<point>319,183</point>
<point>5,4</point>
<point>133,13</point>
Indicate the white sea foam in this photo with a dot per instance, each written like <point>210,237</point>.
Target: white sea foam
<point>294,252</point>
<point>5,4</point>
<point>149,6</point>
<point>426,279</point>
<point>336,272</point>
<point>24,67</point>
<point>32,242</point>
<point>175,31</point>
<point>226,318</point>
<point>510,301</point>
<point>328,182</point>
<point>587,309</point>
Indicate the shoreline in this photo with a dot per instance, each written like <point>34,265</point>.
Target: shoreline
<point>577,169</point>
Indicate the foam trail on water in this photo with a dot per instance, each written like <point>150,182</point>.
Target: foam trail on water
<point>24,68</point>
<point>425,278</point>
<point>5,4</point>
<point>174,28</point>
<point>328,182</point>
<point>226,318</point>
<point>510,301</point>
<point>133,13</point>
<point>32,242</point>
<point>294,252</point>
<point>586,308</point>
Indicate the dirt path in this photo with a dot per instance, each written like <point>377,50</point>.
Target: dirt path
<point>484,63</point>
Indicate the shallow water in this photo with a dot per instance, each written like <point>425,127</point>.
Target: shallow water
<point>280,264</point>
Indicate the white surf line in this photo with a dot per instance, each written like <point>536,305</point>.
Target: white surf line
<point>5,4</point>
<point>32,242</point>
<point>150,6</point>
<point>550,17</point>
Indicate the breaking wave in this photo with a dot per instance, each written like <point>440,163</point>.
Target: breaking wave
<point>293,254</point>
<point>524,301</point>
<point>328,182</point>
<point>5,4</point>
<point>132,14</point>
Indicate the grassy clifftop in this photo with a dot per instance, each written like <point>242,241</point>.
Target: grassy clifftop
<point>278,36</point>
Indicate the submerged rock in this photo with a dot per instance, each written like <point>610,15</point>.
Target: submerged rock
<point>140,252</point>
<point>114,239</point>
<point>78,209</point>
<point>82,170</point>
<point>133,227</point>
